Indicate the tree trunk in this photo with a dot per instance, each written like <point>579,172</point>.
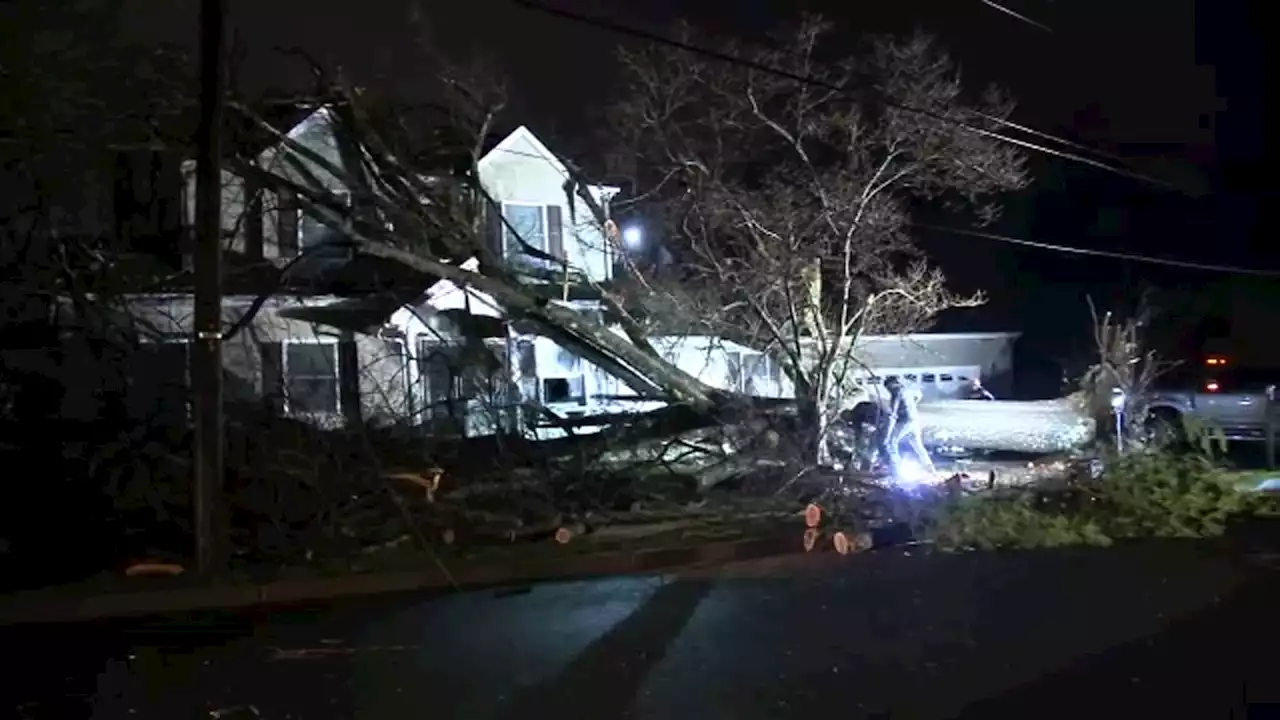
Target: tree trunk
<point>809,429</point>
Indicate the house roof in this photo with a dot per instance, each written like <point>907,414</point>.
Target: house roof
<point>522,134</point>
<point>283,115</point>
<point>293,115</point>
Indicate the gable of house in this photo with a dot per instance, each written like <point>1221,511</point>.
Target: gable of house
<point>261,223</point>
<point>529,182</point>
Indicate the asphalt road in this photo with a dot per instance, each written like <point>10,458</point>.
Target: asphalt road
<point>1156,630</point>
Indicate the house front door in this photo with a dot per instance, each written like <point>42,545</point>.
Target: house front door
<point>441,408</point>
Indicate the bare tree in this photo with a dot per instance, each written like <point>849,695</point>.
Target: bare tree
<point>787,197</point>
<point>1126,364</point>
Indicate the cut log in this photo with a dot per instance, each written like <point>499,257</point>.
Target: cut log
<point>1041,427</point>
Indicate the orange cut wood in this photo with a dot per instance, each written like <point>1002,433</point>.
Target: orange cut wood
<point>810,539</point>
<point>841,541</point>
<point>812,515</point>
<point>144,569</point>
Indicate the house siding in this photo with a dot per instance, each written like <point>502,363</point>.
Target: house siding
<point>985,355</point>
<point>381,372</point>
<point>991,353</point>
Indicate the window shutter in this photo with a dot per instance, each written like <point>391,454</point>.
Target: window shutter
<point>124,199</point>
<point>252,218</point>
<point>733,369</point>
<point>555,232</point>
<point>349,381</point>
<point>493,228</point>
<point>287,222</point>
<point>186,208</point>
<point>169,188</point>
<point>272,354</point>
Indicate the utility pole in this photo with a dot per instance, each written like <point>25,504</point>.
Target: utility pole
<point>206,356</point>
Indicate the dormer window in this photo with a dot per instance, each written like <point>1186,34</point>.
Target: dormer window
<point>299,230</point>
<point>539,226</point>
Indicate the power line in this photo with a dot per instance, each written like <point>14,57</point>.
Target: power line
<point>1132,257</point>
<point>620,29</point>
<point>1022,242</point>
<point>1016,15</point>
<point>1066,249</point>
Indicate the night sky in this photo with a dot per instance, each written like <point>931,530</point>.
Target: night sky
<point>1174,88</point>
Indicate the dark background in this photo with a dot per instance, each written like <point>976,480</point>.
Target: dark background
<point>1172,86</point>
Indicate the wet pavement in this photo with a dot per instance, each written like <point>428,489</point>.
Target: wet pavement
<point>1161,630</point>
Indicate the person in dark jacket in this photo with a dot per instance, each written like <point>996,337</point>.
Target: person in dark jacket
<point>975,391</point>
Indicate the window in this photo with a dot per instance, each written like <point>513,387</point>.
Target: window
<point>311,377</point>
<point>751,373</point>
<point>911,377</point>
<point>734,377</point>
<point>526,369</point>
<point>947,378</point>
<point>312,230</point>
<point>287,213</point>
<point>441,378</point>
<point>928,377</point>
<point>540,226</point>
<point>567,382</point>
<point>564,390</point>
<point>158,383</point>
<point>524,222</point>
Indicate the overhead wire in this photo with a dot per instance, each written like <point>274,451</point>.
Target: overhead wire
<point>1023,242</point>
<point>656,38</point>
<point>1092,252</point>
<point>1040,245</point>
<point>1015,14</point>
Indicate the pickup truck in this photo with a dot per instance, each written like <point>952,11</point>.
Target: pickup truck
<point>1235,401</point>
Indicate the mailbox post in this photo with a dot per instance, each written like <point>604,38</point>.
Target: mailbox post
<point>1118,400</point>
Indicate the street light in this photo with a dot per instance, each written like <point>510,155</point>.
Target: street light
<point>632,237</point>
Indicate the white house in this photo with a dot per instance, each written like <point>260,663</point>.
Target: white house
<point>329,359</point>
<point>323,357</point>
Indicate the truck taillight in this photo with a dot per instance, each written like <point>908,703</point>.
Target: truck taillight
<point>1211,387</point>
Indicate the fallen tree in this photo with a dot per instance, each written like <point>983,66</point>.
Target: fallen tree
<point>830,228</point>
<point>432,239</point>
<point>788,207</point>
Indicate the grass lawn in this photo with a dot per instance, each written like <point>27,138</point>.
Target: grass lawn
<point>1248,480</point>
